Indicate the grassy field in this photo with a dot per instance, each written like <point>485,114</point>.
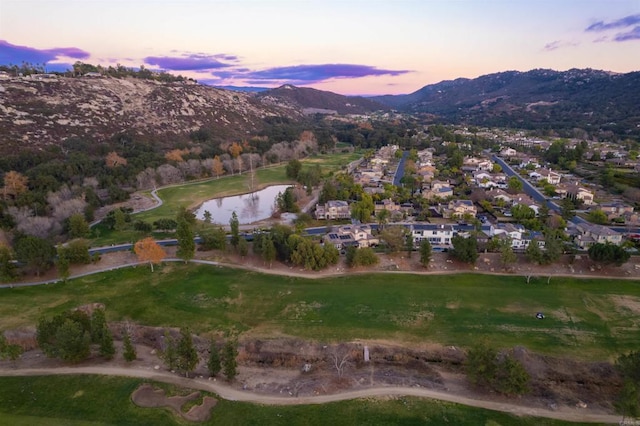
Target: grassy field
<point>586,319</point>
<point>90,400</point>
<point>193,194</point>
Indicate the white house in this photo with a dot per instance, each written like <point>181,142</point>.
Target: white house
<point>437,235</point>
<point>508,152</point>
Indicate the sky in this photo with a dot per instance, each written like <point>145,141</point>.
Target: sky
<point>354,47</point>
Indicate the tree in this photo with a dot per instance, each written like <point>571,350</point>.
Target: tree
<point>101,334</point>
<point>98,325</point>
<point>36,253</point>
<point>213,239</point>
<point>186,215</point>
<point>78,226</point>
<point>567,208</point>
<point>268,250</point>
<point>186,244</point>
<point>340,358</point>
<point>465,249</point>
<point>408,243</point>
<point>148,250</point>
<point>186,352</point>
<point>363,209</point>
<point>503,374</point>
<point>331,254</point>
<point>481,365</point>
<point>514,184</point>
<point>7,350</point>
<point>361,257</point>
<point>169,353</point>
<point>608,254</point>
<point>120,220</point>
<point>598,216</point>
<point>129,351</point>
<point>425,253</point>
<point>176,155</point>
<point>113,160</point>
<point>63,264</point>
<point>521,212</point>
<point>165,224</point>
<point>243,248</point>
<point>234,224</point>
<point>72,341</point>
<point>229,363</point>
<point>217,167</point>
<point>235,149</point>
<point>7,266</point>
<point>512,378</point>
<point>107,348</point>
<point>628,365</point>
<point>213,364</point>
<point>553,247</point>
<point>286,201</point>
<point>394,238</point>
<point>293,169</point>
<point>307,253</point>
<point>207,216</point>
<point>533,253</point>
<point>507,256</point>
<point>628,403</point>
<point>76,251</point>
<point>382,217</point>
<point>14,184</point>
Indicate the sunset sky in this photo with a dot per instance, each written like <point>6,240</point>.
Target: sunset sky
<point>349,47</point>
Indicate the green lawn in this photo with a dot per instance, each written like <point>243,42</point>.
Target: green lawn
<point>100,400</point>
<point>193,194</point>
<point>586,319</point>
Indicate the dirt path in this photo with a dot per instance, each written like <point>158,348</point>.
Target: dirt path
<point>229,393</point>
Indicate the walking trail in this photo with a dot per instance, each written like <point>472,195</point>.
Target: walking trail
<point>231,394</point>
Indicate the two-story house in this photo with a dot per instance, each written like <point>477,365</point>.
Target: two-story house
<point>589,234</point>
<point>332,210</point>
<point>351,236</point>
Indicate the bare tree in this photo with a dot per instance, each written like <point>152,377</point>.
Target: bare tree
<point>147,178</point>
<point>340,358</point>
<point>169,174</point>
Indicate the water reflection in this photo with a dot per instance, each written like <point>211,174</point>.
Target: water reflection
<point>249,207</point>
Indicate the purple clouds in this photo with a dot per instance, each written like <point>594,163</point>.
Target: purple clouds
<point>219,68</point>
<point>317,73</point>
<point>624,25</point>
<point>191,62</point>
<point>224,67</point>
<point>13,54</point>
<point>627,21</point>
<point>549,47</point>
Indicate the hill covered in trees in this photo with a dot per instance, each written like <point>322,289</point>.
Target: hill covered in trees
<point>592,100</point>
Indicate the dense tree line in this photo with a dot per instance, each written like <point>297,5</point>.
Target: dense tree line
<point>69,335</point>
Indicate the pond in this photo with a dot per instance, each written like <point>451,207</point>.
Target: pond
<point>250,207</point>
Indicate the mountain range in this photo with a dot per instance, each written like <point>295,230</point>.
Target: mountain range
<point>541,98</point>
<point>37,112</point>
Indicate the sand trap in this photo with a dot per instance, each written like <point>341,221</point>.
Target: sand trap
<point>148,397</point>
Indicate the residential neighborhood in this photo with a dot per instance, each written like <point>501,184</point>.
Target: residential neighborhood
<point>475,198</point>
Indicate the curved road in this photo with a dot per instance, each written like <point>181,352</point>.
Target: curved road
<point>232,394</point>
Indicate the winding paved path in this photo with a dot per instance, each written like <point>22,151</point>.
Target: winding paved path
<point>231,394</point>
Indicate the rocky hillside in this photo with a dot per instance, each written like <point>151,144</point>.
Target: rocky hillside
<point>541,98</point>
<point>36,113</point>
<point>313,101</point>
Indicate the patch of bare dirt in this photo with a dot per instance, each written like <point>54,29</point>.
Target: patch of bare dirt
<point>149,397</point>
